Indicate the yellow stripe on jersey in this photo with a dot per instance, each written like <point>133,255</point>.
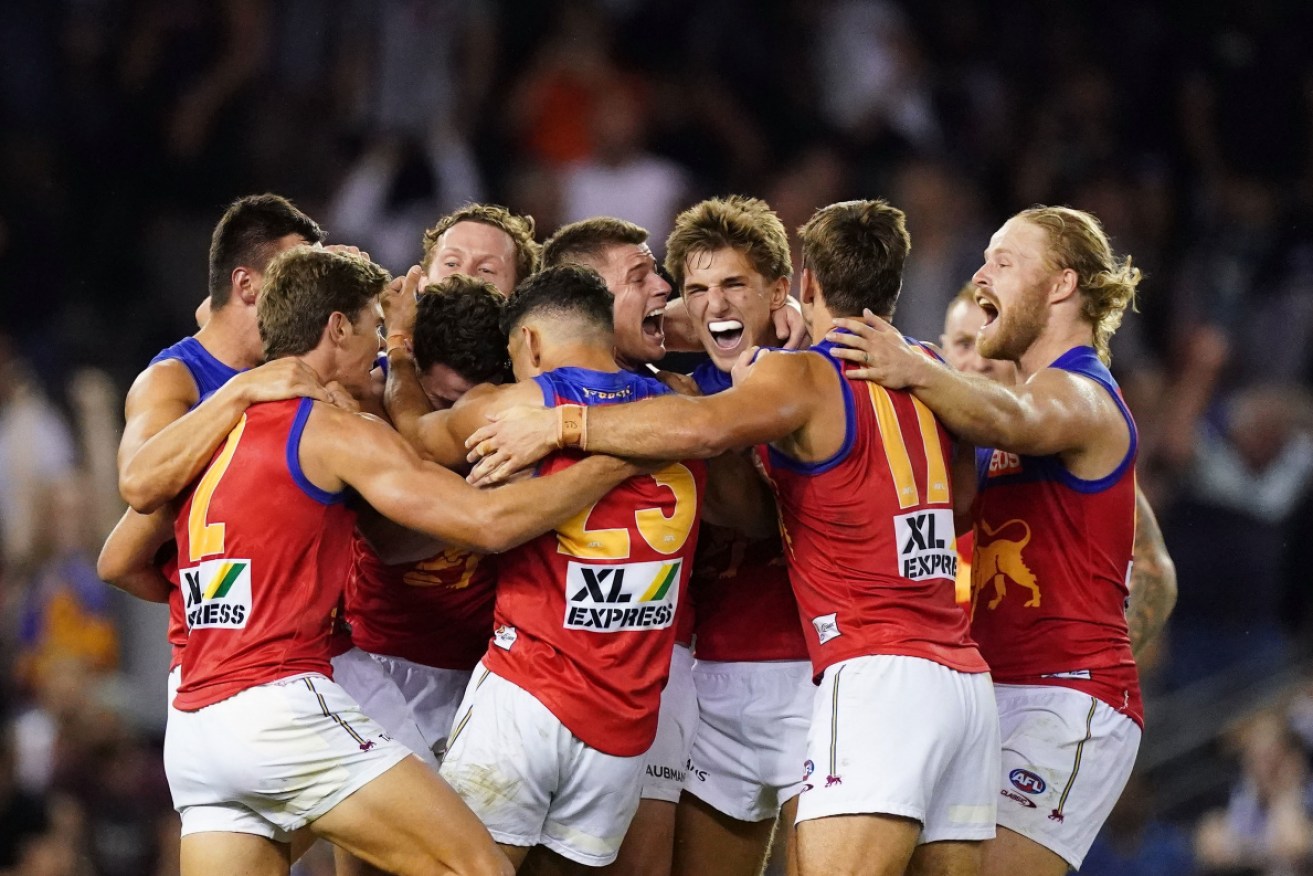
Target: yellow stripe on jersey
<point>936,471</point>
<point>895,449</point>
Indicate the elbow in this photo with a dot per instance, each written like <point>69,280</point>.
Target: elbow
<point>494,530</point>
<point>140,495</point>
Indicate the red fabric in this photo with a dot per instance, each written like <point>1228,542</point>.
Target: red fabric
<point>286,550</point>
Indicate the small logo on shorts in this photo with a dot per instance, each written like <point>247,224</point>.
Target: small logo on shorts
<point>807,769</point>
<point>1026,782</point>
<point>1013,795</point>
<point>367,745</point>
<point>831,781</point>
<point>504,637</point>
<point>827,627</point>
<point>694,770</point>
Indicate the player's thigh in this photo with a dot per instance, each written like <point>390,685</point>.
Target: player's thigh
<point>1066,756</point>
<point>856,845</point>
<point>1009,853</point>
<point>709,841</point>
<point>542,861</point>
<point>218,853</point>
<point>786,837</point>
<point>409,821</point>
<point>648,843</point>
<point>948,858</point>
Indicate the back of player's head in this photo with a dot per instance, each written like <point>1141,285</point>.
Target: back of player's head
<point>747,225</point>
<point>303,287</point>
<point>567,293</point>
<point>528,252</point>
<point>1077,241</point>
<point>458,324</point>
<point>587,241</point>
<point>247,235</point>
<point>856,250</point>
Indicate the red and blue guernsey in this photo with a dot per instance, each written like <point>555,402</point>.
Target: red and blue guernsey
<point>1052,561</point>
<point>586,614</point>
<point>869,534</point>
<point>437,612</point>
<point>743,604</point>
<point>263,556</point>
<point>209,374</point>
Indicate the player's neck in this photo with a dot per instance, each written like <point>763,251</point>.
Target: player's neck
<point>1050,345</point>
<point>224,338</point>
<point>578,356</point>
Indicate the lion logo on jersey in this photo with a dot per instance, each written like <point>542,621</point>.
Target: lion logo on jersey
<point>453,569</point>
<point>999,560</point>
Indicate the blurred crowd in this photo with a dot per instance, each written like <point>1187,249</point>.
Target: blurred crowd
<point>127,125</point>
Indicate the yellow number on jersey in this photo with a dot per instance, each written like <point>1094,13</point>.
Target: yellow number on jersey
<point>665,535</point>
<point>900,462</point>
<point>205,539</point>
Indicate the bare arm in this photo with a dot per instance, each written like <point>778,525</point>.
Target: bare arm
<point>127,560</point>
<point>165,446</point>
<point>1153,579</point>
<point>776,398</point>
<point>1055,412</point>
<point>367,455</point>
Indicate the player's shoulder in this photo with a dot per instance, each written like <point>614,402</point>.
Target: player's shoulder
<point>165,380</point>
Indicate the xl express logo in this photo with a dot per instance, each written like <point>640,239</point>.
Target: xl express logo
<point>612,599</point>
<point>217,594</point>
<point>926,546</point>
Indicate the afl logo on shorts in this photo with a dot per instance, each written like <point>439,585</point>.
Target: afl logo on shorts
<point>1027,782</point>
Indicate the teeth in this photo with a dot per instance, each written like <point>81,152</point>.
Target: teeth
<point>725,325</point>
<point>656,311</point>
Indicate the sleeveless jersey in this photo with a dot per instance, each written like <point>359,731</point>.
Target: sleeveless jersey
<point>209,374</point>
<point>263,555</point>
<point>1052,558</point>
<point>869,534</point>
<point>586,614</point>
<point>437,612</point>
<point>743,604</point>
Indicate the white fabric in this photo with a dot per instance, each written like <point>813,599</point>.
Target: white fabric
<point>531,781</point>
<point>904,736</point>
<point>666,764</point>
<point>1066,759</point>
<point>751,738</point>
<point>273,758</point>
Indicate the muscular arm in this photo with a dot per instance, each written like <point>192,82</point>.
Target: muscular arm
<point>165,445</point>
<point>776,398</point>
<point>1055,412</point>
<point>440,436</point>
<point>1153,579</point>
<point>340,448</point>
<point>404,398</point>
<point>127,560</point>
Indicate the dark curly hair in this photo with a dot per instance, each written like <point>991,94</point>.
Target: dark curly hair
<point>458,324</point>
<point>564,290</point>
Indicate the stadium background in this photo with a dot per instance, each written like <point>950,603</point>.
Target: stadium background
<point>126,125</point>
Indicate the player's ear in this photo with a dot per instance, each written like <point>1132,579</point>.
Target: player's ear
<point>779,293</point>
<point>807,287</point>
<point>533,343</point>
<point>1065,285</point>
<point>339,326</point>
<point>245,285</point>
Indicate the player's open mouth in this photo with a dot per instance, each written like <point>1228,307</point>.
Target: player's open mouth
<point>653,323</point>
<point>990,309</point>
<point>726,333</point>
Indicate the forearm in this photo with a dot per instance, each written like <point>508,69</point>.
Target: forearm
<point>974,409</point>
<point>671,427</point>
<point>171,459</point>
<point>1153,580</point>
<point>525,509</point>
<point>127,559</point>
<point>404,397</point>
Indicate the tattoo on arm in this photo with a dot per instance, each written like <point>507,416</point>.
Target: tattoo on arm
<point>1153,580</point>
